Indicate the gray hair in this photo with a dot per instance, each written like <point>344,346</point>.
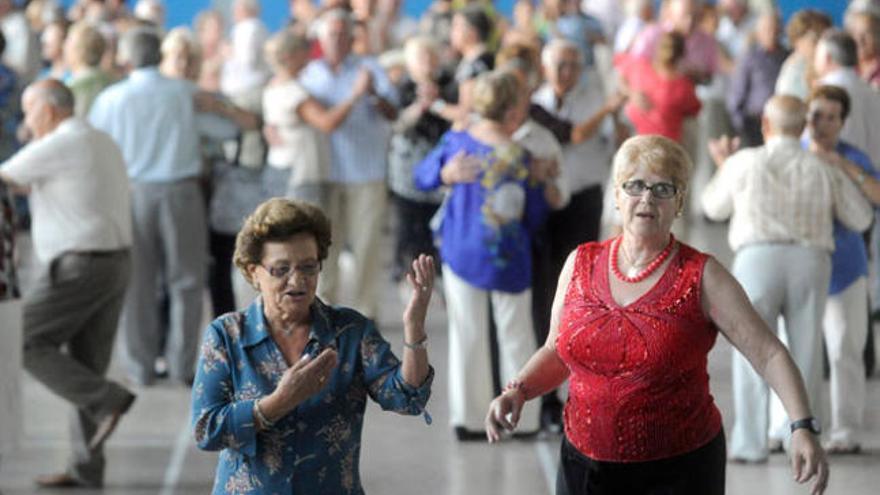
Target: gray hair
<point>841,47</point>
<point>786,114</point>
<point>140,47</point>
<point>333,15</point>
<point>53,92</point>
<point>554,47</point>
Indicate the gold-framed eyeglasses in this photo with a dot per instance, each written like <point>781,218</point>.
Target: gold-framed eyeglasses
<point>660,190</point>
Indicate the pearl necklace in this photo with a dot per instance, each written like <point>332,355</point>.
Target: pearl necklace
<point>633,276</point>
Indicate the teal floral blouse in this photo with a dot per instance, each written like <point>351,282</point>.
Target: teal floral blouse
<point>316,448</point>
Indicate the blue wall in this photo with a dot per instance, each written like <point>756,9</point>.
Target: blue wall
<point>275,13</point>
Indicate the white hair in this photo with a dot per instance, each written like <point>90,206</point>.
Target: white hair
<point>326,18</point>
<point>150,10</point>
<point>555,46</point>
<point>786,114</point>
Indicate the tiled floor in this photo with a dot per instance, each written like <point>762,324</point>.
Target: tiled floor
<point>152,453</point>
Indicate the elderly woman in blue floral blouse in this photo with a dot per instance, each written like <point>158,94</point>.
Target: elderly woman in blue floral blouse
<point>281,386</point>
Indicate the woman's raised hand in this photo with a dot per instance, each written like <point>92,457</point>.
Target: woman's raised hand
<point>421,279</point>
<point>504,413</point>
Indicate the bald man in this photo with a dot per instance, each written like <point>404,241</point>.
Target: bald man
<point>782,201</point>
<point>81,234</point>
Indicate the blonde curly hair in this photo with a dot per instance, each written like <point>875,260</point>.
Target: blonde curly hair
<point>279,219</point>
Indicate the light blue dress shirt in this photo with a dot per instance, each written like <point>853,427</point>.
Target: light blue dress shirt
<point>153,120</point>
<point>359,147</point>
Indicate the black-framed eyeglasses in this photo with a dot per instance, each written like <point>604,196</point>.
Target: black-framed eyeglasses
<point>284,272</point>
<point>660,190</point>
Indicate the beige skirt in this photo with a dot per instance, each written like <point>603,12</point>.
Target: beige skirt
<point>10,374</point>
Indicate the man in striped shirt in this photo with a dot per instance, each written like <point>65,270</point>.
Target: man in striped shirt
<point>781,201</point>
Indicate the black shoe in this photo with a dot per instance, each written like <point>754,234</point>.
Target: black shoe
<point>107,425</point>
<point>526,435</point>
<point>465,435</point>
<point>63,480</point>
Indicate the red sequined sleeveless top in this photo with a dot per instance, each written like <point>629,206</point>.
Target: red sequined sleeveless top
<point>639,386</point>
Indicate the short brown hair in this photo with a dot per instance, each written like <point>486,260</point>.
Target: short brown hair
<point>88,43</point>
<point>807,21</point>
<point>670,48</point>
<point>495,93</point>
<point>833,93</point>
<point>522,57</point>
<point>279,219</point>
<point>282,46</point>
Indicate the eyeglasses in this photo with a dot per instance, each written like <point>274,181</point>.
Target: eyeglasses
<point>284,272</point>
<point>660,190</point>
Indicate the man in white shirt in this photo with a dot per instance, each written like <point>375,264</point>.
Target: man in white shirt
<point>82,234</point>
<point>585,164</point>
<point>782,201</point>
<point>246,69</point>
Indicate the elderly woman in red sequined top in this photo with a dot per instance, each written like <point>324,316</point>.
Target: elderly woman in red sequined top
<point>633,322</point>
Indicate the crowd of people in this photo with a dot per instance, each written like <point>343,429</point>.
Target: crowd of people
<point>537,165</point>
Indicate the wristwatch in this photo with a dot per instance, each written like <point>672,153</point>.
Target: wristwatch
<point>810,423</point>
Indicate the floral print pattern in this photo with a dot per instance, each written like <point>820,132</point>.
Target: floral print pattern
<point>8,280</point>
<point>316,448</point>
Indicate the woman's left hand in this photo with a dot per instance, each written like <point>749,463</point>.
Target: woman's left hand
<point>421,278</point>
<point>808,460</point>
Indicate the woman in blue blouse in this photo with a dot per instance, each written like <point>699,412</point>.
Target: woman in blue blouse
<point>497,198</point>
<point>281,386</point>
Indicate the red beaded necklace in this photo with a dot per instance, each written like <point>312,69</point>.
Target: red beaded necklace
<point>651,268</point>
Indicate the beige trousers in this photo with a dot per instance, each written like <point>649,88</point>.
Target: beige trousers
<point>357,212</point>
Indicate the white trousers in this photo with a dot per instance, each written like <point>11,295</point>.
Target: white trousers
<point>845,326</point>
<point>470,366</point>
<point>846,329</point>
<point>791,281</point>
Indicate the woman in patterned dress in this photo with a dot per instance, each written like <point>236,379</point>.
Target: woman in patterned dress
<point>632,325</point>
<point>281,386</point>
